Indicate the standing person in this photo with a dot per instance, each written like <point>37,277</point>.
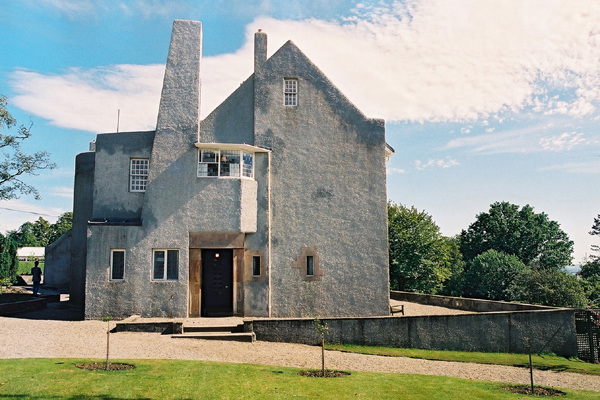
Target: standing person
<point>36,273</point>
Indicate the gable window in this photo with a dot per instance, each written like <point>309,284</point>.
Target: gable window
<point>117,264</point>
<point>166,265</point>
<point>256,266</point>
<point>225,163</point>
<point>138,174</point>
<point>290,92</point>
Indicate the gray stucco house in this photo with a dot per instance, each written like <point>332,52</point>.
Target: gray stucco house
<point>272,206</point>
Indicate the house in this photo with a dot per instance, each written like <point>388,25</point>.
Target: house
<point>30,253</point>
<point>274,205</point>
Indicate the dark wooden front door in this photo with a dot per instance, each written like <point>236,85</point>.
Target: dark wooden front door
<point>217,282</point>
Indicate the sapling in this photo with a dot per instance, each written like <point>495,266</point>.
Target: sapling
<point>107,320</point>
<point>322,329</point>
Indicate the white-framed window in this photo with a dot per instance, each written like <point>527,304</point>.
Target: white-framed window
<point>256,266</point>
<point>165,264</point>
<point>138,174</point>
<point>117,264</point>
<point>290,92</point>
<point>225,163</point>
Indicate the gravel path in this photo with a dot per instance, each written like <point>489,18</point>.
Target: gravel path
<point>28,338</point>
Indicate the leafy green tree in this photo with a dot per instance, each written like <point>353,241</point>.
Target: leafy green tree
<point>532,237</point>
<point>596,232</point>
<point>454,263</point>
<point>590,270</point>
<point>490,275</point>
<point>420,257</point>
<point>42,231</point>
<point>8,260</point>
<point>63,224</point>
<point>548,287</point>
<point>15,164</point>
<point>24,236</point>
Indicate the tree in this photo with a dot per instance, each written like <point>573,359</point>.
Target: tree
<point>24,236</point>
<point>533,238</point>
<point>590,270</point>
<point>8,261</point>
<point>548,287</point>
<point>42,231</point>
<point>420,257</point>
<point>15,163</point>
<point>454,264</point>
<point>490,275</point>
<point>596,232</point>
<point>62,225</point>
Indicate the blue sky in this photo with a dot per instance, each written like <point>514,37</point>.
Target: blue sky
<point>483,101</point>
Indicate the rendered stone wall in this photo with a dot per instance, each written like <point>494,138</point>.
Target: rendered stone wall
<point>460,303</point>
<point>112,198</point>
<point>83,195</point>
<point>137,293</point>
<point>57,266</point>
<point>328,193</point>
<point>549,331</point>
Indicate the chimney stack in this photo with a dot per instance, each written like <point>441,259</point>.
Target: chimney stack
<point>260,50</point>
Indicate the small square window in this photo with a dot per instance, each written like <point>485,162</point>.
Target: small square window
<point>256,266</point>
<point>117,264</point>
<point>310,266</point>
<point>166,265</point>
<point>290,92</point>
<point>138,174</point>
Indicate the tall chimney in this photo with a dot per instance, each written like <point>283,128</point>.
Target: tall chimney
<point>260,50</point>
<point>179,110</point>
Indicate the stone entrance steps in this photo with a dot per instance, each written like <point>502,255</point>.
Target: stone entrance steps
<point>216,332</point>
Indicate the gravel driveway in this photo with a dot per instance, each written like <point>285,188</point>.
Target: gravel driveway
<point>28,338</point>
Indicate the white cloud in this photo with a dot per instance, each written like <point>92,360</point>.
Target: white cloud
<point>13,213</point>
<point>393,170</point>
<point>69,7</point>
<point>89,99</point>
<point>62,191</point>
<point>536,138</point>
<point>587,167</point>
<point>564,141</point>
<point>423,60</point>
<point>440,163</point>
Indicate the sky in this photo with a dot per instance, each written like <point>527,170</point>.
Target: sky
<point>483,101</point>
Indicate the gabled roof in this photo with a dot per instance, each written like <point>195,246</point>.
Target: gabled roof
<point>338,100</point>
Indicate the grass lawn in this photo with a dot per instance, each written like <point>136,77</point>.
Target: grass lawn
<point>24,267</point>
<point>178,379</point>
<point>542,362</point>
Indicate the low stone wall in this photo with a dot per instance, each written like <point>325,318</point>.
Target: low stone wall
<point>546,331</point>
<point>8,309</point>
<point>460,303</point>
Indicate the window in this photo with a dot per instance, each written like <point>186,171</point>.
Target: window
<point>248,165</point>
<point>225,163</point>
<point>256,266</point>
<point>138,174</point>
<point>290,92</point>
<point>117,264</point>
<point>166,265</point>
<point>310,266</point>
